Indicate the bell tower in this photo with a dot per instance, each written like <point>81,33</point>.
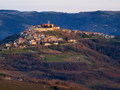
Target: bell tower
<point>48,22</point>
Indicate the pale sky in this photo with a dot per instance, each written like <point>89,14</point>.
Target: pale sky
<point>71,6</point>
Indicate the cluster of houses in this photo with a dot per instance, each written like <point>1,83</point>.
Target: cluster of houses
<point>100,34</point>
<point>33,38</point>
<point>36,35</point>
<point>89,33</point>
<point>94,34</point>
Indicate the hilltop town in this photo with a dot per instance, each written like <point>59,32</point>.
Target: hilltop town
<point>55,56</point>
<point>50,34</point>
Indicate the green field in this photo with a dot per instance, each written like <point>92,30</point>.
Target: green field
<point>53,58</point>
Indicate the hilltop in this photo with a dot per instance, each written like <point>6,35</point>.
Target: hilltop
<point>49,35</point>
<point>107,22</point>
<point>60,59</point>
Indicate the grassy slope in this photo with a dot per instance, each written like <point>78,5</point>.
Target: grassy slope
<point>16,85</point>
<point>87,62</point>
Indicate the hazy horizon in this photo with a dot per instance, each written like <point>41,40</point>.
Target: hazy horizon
<point>71,6</point>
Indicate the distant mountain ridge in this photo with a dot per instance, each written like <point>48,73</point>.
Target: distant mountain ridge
<point>12,21</point>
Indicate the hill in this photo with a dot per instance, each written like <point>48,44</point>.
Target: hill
<point>89,61</point>
<point>13,22</point>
